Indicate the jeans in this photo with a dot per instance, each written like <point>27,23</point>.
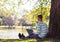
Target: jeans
<point>35,36</point>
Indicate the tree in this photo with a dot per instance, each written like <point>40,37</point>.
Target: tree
<point>54,24</point>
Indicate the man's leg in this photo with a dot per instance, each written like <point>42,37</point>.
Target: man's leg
<point>34,36</point>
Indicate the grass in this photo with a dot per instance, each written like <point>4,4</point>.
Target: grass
<point>18,40</point>
<point>29,40</point>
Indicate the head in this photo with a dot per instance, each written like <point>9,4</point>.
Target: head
<point>39,17</point>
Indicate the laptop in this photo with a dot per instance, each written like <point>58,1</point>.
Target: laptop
<point>30,31</point>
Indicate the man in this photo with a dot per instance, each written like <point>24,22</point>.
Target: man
<point>41,28</point>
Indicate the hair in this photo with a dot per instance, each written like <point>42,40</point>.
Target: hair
<point>40,16</point>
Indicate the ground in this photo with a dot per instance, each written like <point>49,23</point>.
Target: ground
<point>11,35</point>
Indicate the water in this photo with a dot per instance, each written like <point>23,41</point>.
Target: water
<point>6,33</point>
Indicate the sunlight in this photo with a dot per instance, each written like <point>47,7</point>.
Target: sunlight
<point>22,9</point>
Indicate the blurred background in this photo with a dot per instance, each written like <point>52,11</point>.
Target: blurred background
<point>22,14</point>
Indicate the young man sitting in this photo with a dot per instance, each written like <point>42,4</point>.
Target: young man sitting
<point>41,28</point>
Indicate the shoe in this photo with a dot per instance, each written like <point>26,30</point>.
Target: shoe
<point>23,37</point>
<point>20,36</point>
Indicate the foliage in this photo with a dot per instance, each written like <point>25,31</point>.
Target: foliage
<point>14,7</point>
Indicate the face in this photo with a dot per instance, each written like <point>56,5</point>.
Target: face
<point>39,19</point>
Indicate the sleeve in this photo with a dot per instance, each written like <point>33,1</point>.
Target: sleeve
<point>38,28</point>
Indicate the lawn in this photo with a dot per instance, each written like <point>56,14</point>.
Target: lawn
<point>21,40</point>
<point>29,40</point>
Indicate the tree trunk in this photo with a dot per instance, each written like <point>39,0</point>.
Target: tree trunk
<point>54,24</point>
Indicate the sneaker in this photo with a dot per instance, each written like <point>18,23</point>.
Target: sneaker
<point>23,37</point>
<point>20,36</point>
